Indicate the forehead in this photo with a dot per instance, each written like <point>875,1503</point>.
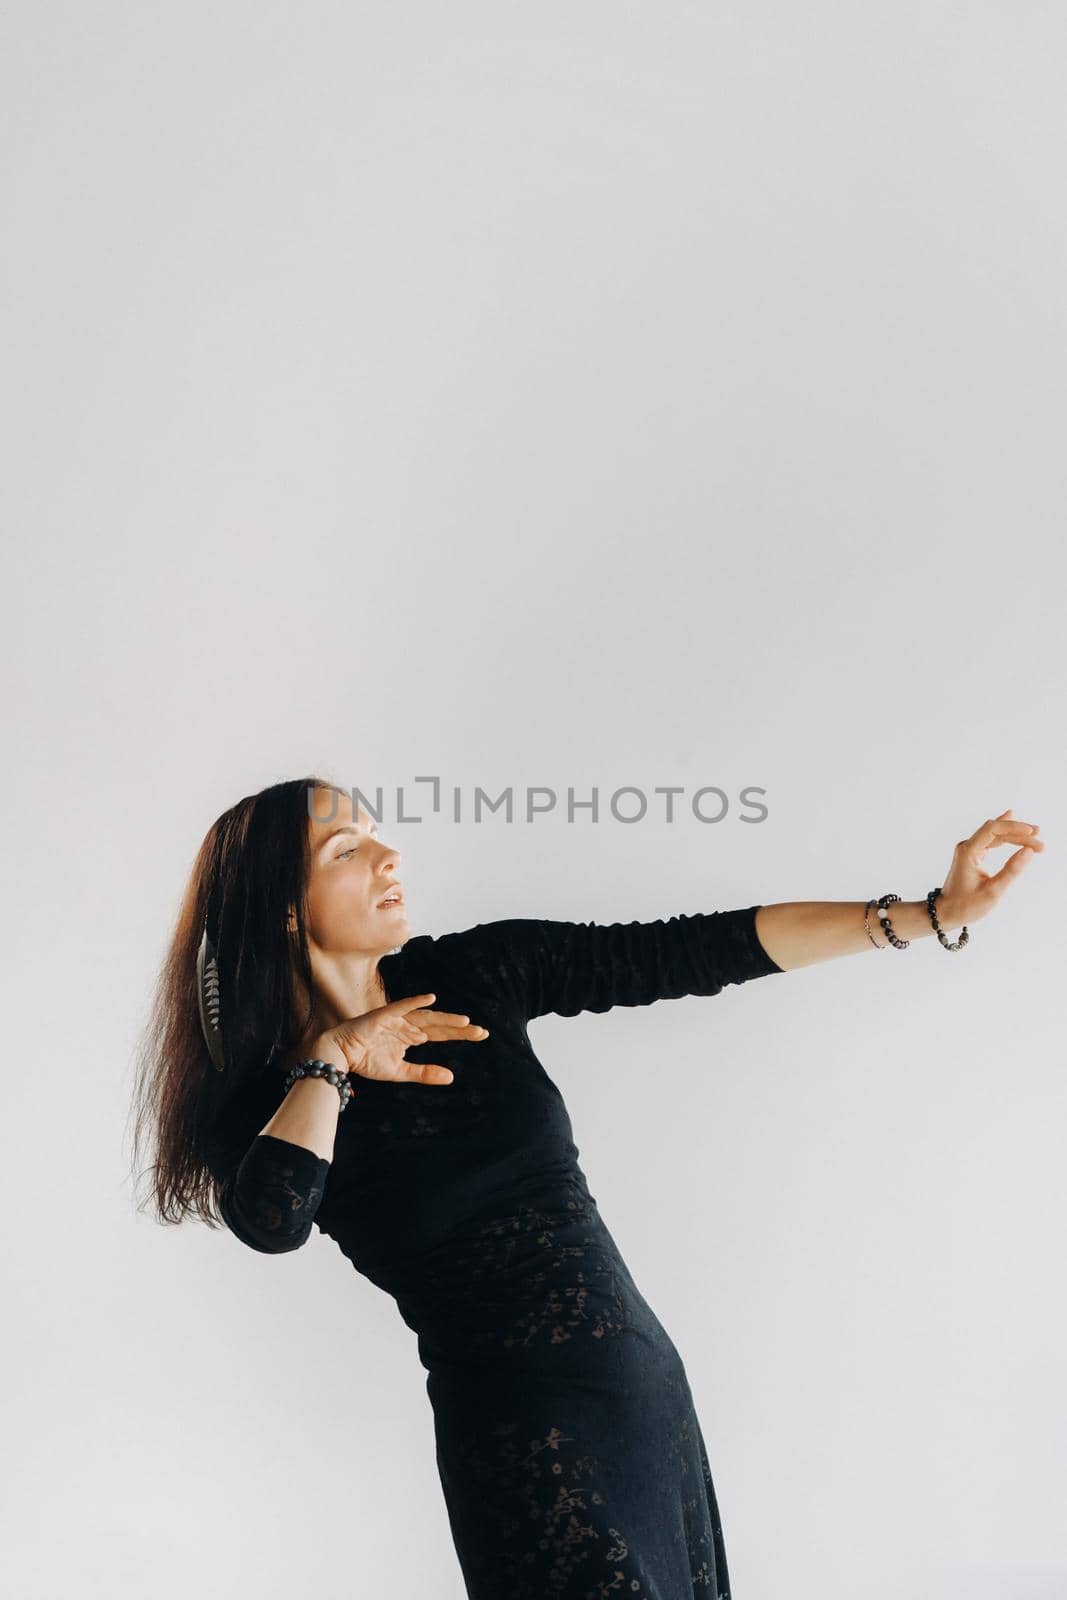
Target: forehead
<point>331,809</point>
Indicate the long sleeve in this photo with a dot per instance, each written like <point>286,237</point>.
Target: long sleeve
<point>567,967</point>
<point>270,1201</point>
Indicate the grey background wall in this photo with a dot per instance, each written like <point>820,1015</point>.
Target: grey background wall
<point>570,397</point>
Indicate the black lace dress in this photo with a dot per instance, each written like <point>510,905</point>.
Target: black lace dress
<point>569,1452</point>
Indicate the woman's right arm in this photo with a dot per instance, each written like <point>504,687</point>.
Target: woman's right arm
<point>271,1200</point>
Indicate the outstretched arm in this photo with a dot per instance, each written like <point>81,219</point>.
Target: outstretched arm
<point>568,967</point>
<point>799,933</point>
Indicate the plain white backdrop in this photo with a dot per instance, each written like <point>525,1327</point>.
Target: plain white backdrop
<point>567,396</point>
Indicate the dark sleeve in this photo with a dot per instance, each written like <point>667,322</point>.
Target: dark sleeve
<point>567,967</point>
<point>271,1199</point>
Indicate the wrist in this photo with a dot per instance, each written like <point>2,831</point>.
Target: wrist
<point>334,1080</point>
<point>312,1088</point>
<point>326,1048</point>
<point>949,913</point>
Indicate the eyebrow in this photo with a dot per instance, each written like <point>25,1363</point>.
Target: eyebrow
<point>346,827</point>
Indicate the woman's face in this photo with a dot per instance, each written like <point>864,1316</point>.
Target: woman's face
<point>351,872</point>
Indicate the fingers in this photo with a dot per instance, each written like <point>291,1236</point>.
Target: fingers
<point>449,1025</point>
<point>449,1030</point>
<point>408,1004</point>
<point>444,1024</point>
<point>1013,866</point>
<point>428,1072</point>
<point>1002,830</point>
<point>452,1019</point>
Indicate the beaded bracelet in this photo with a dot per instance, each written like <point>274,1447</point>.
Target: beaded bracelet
<point>321,1069</point>
<point>883,917</point>
<point>902,944</point>
<point>955,944</point>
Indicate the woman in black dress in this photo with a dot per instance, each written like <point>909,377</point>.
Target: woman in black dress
<point>440,1157</point>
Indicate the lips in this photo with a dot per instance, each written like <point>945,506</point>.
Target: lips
<point>394,898</point>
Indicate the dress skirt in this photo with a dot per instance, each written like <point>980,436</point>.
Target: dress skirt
<point>569,1452</point>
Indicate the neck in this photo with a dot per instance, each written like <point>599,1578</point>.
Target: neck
<point>345,987</point>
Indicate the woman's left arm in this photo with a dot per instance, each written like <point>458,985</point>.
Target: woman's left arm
<point>801,932</point>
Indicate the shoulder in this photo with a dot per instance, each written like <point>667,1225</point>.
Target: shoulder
<point>485,960</point>
<point>500,941</point>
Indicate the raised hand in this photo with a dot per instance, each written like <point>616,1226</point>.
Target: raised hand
<point>373,1045</point>
<point>968,893</point>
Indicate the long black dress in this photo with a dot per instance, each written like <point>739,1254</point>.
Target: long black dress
<point>568,1448</point>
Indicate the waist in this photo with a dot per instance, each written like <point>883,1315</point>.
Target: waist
<point>395,1226</point>
<point>541,1282</point>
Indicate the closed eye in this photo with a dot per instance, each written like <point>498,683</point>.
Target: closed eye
<point>353,847</point>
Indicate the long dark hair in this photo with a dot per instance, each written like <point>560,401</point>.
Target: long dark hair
<point>250,874</point>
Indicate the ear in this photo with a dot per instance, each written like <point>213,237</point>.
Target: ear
<point>290,926</point>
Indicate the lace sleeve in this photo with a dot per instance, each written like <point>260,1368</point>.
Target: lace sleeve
<point>567,967</point>
<point>270,1201</point>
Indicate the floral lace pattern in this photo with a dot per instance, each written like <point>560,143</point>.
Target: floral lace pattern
<point>518,1285</point>
<point>568,1447</point>
<point>539,1515</point>
<point>271,1200</point>
<point>552,1532</point>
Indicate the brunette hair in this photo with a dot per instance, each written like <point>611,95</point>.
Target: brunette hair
<point>250,873</point>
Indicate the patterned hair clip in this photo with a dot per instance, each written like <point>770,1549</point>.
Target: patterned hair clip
<point>207,990</point>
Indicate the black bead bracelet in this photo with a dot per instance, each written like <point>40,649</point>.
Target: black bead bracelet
<point>321,1069</point>
<point>946,944</point>
<point>883,917</point>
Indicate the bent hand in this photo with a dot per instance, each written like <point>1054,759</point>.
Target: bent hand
<point>968,893</point>
<point>373,1045</point>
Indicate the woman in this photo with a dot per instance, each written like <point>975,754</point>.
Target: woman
<point>569,1452</point>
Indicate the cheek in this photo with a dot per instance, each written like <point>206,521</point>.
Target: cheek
<point>343,901</point>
